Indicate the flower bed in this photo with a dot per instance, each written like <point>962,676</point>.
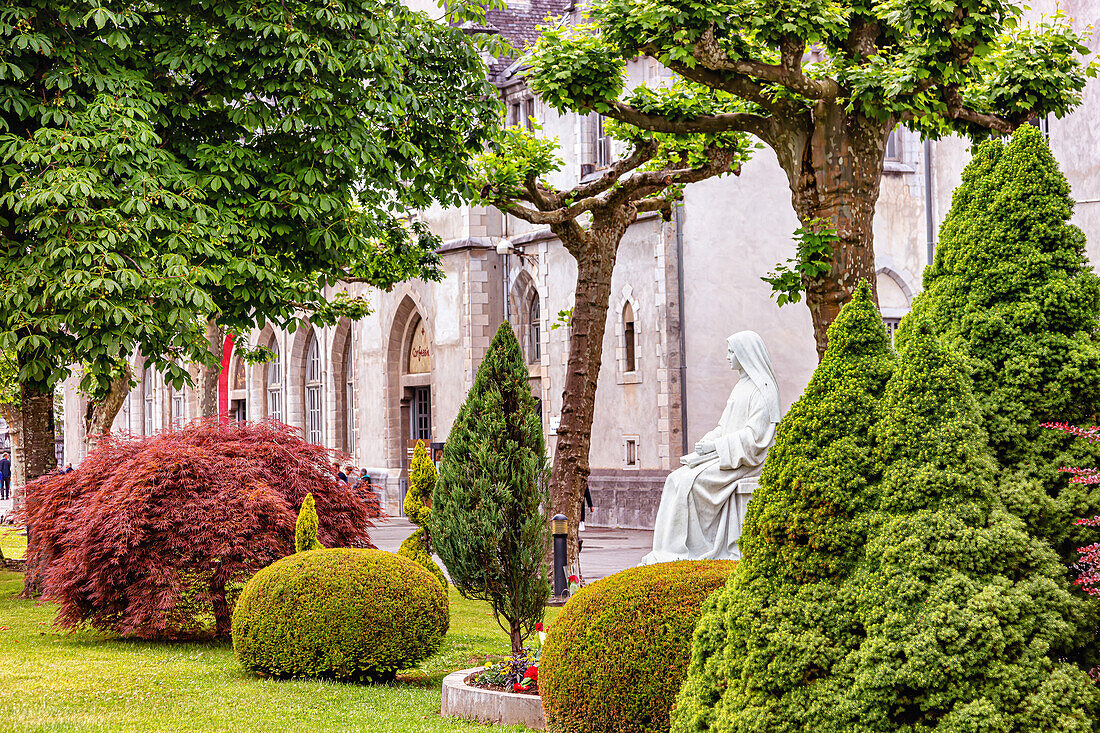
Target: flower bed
<point>484,705</point>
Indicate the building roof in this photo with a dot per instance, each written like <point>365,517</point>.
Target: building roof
<point>519,24</point>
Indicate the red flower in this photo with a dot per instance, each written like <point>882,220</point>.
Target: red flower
<point>538,626</point>
<point>517,687</point>
<point>532,673</point>
<point>574,579</point>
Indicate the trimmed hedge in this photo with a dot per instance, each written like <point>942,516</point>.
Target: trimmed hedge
<point>345,614</point>
<point>616,655</point>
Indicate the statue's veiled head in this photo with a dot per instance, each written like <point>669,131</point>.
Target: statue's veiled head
<point>748,353</point>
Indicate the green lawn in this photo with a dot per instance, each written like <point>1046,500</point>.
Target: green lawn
<point>58,681</point>
<point>13,542</point>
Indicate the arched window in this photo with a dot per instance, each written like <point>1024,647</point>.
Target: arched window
<point>534,329</point>
<point>177,407</point>
<point>147,391</point>
<point>349,400</point>
<point>629,337</point>
<point>420,352</point>
<point>275,385</point>
<point>314,415</point>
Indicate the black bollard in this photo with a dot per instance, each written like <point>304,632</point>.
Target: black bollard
<point>560,527</point>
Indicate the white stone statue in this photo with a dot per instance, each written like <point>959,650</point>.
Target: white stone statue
<point>703,502</point>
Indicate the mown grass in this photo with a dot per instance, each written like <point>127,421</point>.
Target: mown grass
<point>52,680</point>
<point>13,542</point>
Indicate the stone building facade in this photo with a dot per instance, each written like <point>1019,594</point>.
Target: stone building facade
<point>367,389</point>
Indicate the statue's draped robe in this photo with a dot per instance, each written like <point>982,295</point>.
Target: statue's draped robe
<point>697,518</point>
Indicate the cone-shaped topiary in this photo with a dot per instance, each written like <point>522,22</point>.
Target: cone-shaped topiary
<point>487,522</point>
<point>958,605</point>
<point>417,547</point>
<point>1012,290</point>
<point>779,623</point>
<point>305,529</point>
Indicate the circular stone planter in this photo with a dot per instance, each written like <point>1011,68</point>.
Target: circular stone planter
<point>489,706</point>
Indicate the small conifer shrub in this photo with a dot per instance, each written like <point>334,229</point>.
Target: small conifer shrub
<point>418,547</point>
<point>779,623</point>
<point>488,523</point>
<point>1012,290</point>
<point>305,529</point>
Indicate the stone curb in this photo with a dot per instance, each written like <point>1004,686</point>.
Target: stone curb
<point>489,706</point>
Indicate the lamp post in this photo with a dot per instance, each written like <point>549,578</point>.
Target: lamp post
<point>560,527</point>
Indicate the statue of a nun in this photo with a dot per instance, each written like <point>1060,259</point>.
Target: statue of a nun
<point>700,513</point>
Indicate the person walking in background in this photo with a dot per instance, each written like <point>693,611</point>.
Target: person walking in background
<point>588,501</point>
<point>5,477</point>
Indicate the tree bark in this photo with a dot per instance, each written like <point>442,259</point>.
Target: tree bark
<point>206,378</point>
<point>37,458</point>
<point>835,170</point>
<point>103,413</point>
<point>515,635</point>
<point>595,253</point>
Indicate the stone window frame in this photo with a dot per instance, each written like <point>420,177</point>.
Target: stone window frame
<point>273,383</point>
<point>313,391</point>
<point>627,442</point>
<point>622,375</point>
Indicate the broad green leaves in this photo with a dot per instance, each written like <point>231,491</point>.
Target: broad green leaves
<point>231,160</point>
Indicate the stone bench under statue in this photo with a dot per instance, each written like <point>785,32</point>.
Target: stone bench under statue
<point>703,503</point>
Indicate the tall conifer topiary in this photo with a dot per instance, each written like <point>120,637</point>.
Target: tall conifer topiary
<point>1012,290</point>
<point>958,606</point>
<point>487,522</point>
<point>779,624</point>
<point>418,547</point>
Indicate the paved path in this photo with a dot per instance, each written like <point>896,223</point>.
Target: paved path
<point>603,552</point>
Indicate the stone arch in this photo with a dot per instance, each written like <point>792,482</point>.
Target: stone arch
<point>895,295</point>
<point>258,380</point>
<point>297,377</point>
<point>342,360</point>
<point>401,384</point>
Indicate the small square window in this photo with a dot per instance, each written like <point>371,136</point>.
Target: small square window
<point>630,451</point>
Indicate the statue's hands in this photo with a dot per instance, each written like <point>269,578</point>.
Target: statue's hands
<point>705,446</point>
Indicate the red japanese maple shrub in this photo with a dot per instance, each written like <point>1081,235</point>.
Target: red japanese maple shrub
<point>152,538</point>
<point>1088,563</point>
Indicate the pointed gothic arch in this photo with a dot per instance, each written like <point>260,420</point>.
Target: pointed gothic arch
<point>343,386</point>
<point>409,380</point>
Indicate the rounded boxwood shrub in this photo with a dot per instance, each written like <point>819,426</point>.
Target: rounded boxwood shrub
<point>616,655</point>
<point>345,614</point>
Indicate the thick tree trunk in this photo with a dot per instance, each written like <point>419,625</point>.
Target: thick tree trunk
<point>36,459</point>
<point>595,263</point>
<point>206,378</point>
<point>103,413</point>
<point>835,170</point>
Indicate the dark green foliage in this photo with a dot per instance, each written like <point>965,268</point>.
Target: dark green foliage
<point>1012,290</point>
<point>417,547</point>
<point>305,529</point>
<point>616,655</point>
<point>342,614</point>
<point>960,606</point>
<point>779,623</point>
<point>949,620</point>
<point>487,521</point>
<point>808,519</point>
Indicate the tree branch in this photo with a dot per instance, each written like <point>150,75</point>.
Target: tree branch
<point>725,122</point>
<point>788,74</point>
<point>958,110</point>
<point>639,156</point>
